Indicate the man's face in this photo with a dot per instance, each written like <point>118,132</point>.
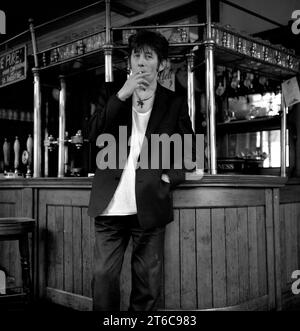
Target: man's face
<point>146,60</point>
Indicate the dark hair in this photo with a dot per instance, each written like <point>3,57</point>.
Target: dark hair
<point>149,39</point>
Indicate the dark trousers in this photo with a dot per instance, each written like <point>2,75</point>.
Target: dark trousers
<point>112,234</point>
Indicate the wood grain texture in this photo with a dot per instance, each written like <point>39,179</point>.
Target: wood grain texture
<point>261,251</point>
<point>218,257</point>
<point>204,258</point>
<point>221,250</point>
<point>277,252</point>
<point>51,246</point>
<point>59,244</point>
<point>68,249</point>
<point>188,259</point>
<point>86,253</point>
<point>270,249</point>
<point>77,250</point>
<point>253,252</point>
<point>212,197</point>
<point>243,255</point>
<point>232,271</point>
<point>172,264</point>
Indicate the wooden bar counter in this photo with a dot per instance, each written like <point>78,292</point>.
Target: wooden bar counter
<point>234,243</point>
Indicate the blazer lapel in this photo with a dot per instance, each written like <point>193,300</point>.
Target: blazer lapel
<point>129,117</point>
<point>158,110</point>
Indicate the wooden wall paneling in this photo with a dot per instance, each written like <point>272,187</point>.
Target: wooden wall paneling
<point>204,258</point>
<point>214,239</point>
<point>277,252</point>
<point>5,245</point>
<point>77,250</point>
<point>290,193</point>
<point>188,259</point>
<point>294,250</point>
<point>243,257</point>
<point>78,197</point>
<point>92,238</point>
<point>261,251</point>
<point>232,270</point>
<point>10,202</point>
<point>2,244</point>
<point>218,257</point>
<point>11,248</point>
<point>14,254</point>
<point>51,246</point>
<point>15,262</point>
<point>27,202</point>
<point>172,264</point>
<point>253,252</point>
<point>72,300</point>
<point>86,256</point>
<point>282,246</point>
<point>36,239</point>
<point>11,205</point>
<point>42,246</point>
<point>270,249</point>
<point>59,244</point>
<point>214,197</point>
<point>68,249</point>
<point>288,239</point>
<point>289,234</point>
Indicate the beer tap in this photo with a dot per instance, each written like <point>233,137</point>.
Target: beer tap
<point>29,145</point>
<point>17,156</point>
<point>6,154</point>
<point>78,140</point>
<point>66,154</point>
<point>51,143</point>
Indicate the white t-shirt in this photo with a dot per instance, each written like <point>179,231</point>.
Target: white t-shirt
<point>124,201</point>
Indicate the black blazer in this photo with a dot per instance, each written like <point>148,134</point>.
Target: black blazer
<point>153,196</point>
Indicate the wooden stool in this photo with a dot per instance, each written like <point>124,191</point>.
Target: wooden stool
<point>18,228</point>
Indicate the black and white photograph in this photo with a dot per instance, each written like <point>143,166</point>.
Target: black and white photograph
<point>149,160</point>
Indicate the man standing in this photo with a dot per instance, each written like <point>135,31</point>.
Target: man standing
<point>136,202</point>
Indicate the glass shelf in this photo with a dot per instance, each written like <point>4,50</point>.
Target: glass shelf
<point>252,125</point>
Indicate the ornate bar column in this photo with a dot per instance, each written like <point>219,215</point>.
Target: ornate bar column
<point>108,47</point>
<point>62,126</point>
<point>283,138</point>
<point>37,141</point>
<point>191,88</point>
<point>210,95</point>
